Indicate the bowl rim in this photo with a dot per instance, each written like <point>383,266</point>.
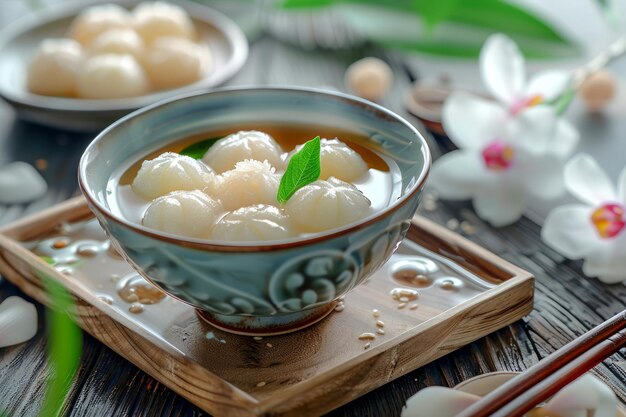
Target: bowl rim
<point>222,246</point>
<point>231,32</point>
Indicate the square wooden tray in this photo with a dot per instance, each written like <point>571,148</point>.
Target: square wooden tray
<point>469,292</point>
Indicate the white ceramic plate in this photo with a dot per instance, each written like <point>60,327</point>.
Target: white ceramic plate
<point>18,43</point>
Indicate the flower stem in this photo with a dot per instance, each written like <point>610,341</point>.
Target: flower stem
<point>616,50</point>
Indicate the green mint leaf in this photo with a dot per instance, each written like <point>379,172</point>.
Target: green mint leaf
<point>198,149</point>
<point>304,168</point>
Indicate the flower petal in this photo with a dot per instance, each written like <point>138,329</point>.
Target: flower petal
<point>588,182</point>
<point>438,401</point>
<point>540,129</point>
<point>621,186</point>
<point>471,121</point>
<point>565,139</point>
<point>458,175</point>
<point>569,230</point>
<point>533,128</point>
<point>607,261</point>
<point>502,68</point>
<point>548,84</point>
<point>501,203</point>
<point>587,394</point>
<point>542,174</point>
<point>18,321</point>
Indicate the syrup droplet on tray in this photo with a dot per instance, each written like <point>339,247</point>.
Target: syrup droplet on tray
<point>105,299</point>
<point>137,289</point>
<point>61,243</point>
<point>411,278</point>
<point>136,308</point>
<point>87,251</point>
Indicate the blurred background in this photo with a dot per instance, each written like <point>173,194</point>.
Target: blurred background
<point>313,42</point>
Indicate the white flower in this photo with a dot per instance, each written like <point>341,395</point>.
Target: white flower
<point>503,71</point>
<point>18,321</point>
<point>506,152</point>
<point>594,230</point>
<point>501,160</point>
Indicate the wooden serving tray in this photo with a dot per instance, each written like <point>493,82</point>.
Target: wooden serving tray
<point>469,292</point>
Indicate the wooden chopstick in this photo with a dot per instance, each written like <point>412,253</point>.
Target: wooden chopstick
<point>547,377</point>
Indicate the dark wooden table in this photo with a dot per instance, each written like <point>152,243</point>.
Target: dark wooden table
<point>566,304</point>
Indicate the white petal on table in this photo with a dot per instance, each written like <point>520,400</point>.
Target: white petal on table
<point>502,68</point>
<point>607,261</point>
<point>501,203</point>
<point>588,182</point>
<point>20,183</point>
<point>471,121</point>
<point>458,175</point>
<point>587,393</point>
<point>548,84</point>
<point>569,230</point>
<point>439,402</point>
<point>542,175</point>
<point>18,321</point>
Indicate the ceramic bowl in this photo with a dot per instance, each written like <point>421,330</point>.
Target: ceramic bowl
<point>19,41</point>
<point>278,286</point>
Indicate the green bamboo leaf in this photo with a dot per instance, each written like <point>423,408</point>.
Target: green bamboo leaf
<point>304,168</point>
<point>500,16</point>
<point>64,349</point>
<point>198,149</point>
<point>306,4</point>
<point>455,50</point>
<point>460,49</point>
<point>434,12</point>
<point>396,23</point>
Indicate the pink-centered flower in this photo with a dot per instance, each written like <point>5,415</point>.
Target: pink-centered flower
<point>510,148</point>
<point>503,71</point>
<point>594,230</point>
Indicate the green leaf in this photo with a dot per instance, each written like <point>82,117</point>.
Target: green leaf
<point>48,260</point>
<point>449,49</point>
<point>500,16</point>
<point>64,349</point>
<point>305,4</point>
<point>396,24</point>
<point>434,12</point>
<point>562,102</point>
<point>198,149</point>
<point>304,168</point>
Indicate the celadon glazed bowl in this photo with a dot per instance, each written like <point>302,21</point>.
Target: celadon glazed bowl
<point>259,288</point>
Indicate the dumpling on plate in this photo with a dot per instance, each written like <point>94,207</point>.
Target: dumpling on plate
<point>118,41</point>
<point>339,160</point>
<point>170,172</point>
<point>55,67</point>
<point>251,144</point>
<point>153,20</point>
<point>251,182</point>
<point>174,62</point>
<point>185,213</point>
<point>96,20</point>
<point>260,222</point>
<point>112,76</point>
<point>324,205</point>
